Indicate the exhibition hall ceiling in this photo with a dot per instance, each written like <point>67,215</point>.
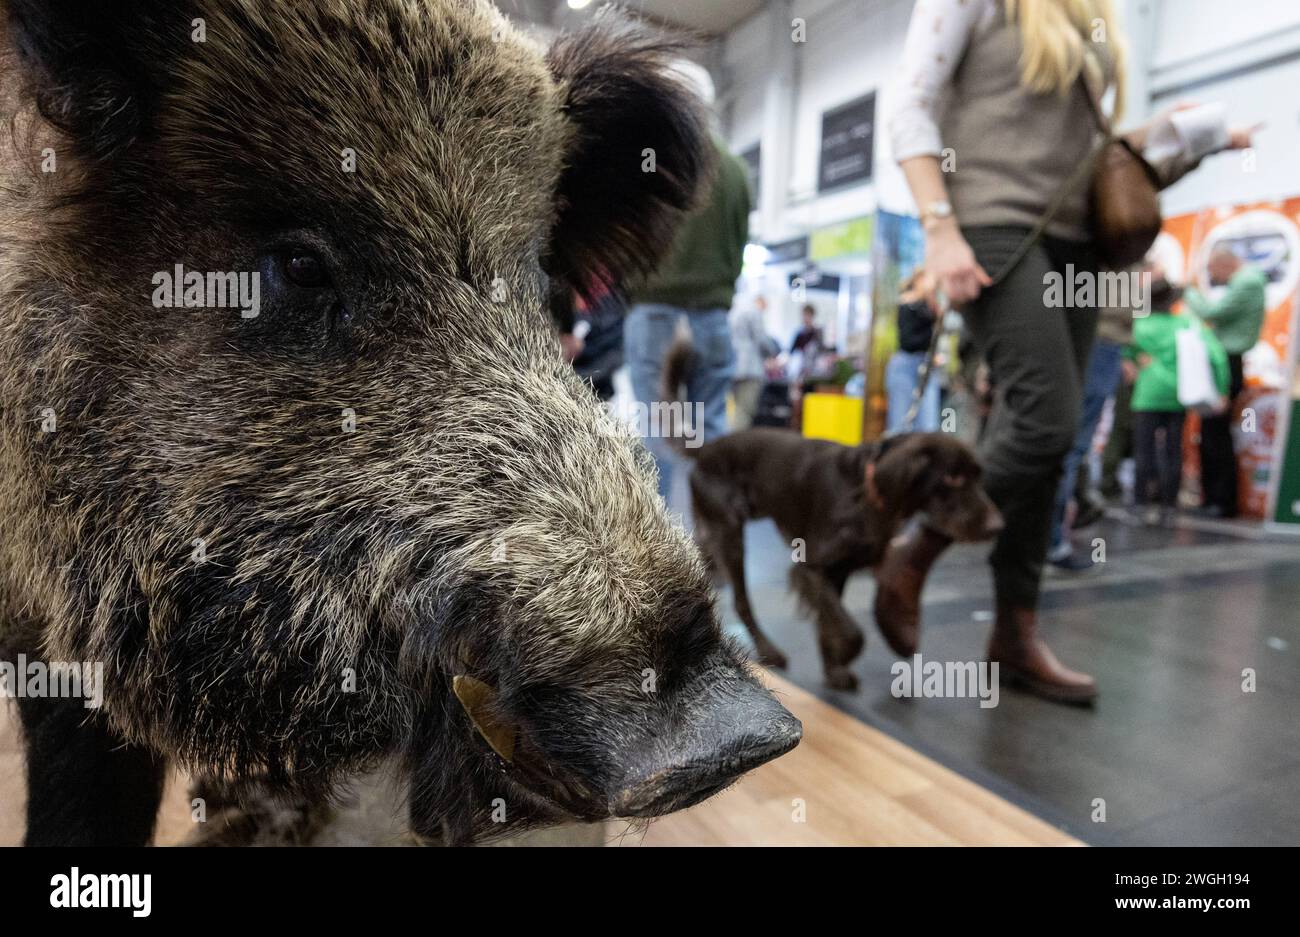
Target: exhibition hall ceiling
<point>713,16</point>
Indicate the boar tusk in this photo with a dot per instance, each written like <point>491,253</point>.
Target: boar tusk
<point>478,699</point>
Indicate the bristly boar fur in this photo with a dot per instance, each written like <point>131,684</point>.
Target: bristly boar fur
<point>476,576</point>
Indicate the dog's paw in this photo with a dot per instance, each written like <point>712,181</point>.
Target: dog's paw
<point>854,642</point>
<point>769,656</point>
<point>841,678</point>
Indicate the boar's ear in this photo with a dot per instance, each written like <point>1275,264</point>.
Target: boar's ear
<point>615,218</point>
<point>480,704</point>
<point>92,69</point>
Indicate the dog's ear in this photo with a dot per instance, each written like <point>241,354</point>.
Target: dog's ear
<point>885,444</point>
<point>640,153</point>
<point>901,474</point>
<point>94,70</point>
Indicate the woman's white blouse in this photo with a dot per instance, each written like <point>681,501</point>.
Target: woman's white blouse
<point>936,41</point>
<point>937,38</point>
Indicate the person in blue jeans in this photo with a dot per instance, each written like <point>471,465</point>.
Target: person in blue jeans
<point>647,335</point>
<point>916,323</point>
<point>696,284</point>
<point>1101,382</point>
<point>1104,368</point>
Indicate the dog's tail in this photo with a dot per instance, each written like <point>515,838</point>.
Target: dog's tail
<point>679,364</point>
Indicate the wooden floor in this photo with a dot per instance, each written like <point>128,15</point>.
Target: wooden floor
<point>12,795</point>
<point>846,784</point>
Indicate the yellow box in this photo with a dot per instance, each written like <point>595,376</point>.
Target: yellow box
<point>834,417</point>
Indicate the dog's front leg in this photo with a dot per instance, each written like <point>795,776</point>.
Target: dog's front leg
<point>728,546</point>
<point>838,635</point>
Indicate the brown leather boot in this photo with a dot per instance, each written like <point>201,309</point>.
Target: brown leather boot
<point>1025,659</point>
<point>899,577</point>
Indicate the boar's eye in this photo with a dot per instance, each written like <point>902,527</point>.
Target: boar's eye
<point>306,268</point>
<point>299,304</point>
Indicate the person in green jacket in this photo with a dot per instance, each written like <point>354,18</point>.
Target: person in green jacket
<point>1158,416</point>
<point>697,284</point>
<point>1237,318</point>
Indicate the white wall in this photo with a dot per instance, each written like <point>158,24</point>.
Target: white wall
<point>1246,54</point>
<point>744,57</point>
<point>1272,171</point>
<point>852,48</point>
<point>1191,30</point>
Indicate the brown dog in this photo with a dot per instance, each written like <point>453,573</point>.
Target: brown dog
<point>839,507</point>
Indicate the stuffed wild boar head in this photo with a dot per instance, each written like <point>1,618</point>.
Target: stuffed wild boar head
<point>365,510</point>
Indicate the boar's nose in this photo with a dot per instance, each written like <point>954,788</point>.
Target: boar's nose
<point>724,730</point>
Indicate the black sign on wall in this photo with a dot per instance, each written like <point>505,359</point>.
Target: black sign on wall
<point>848,144</point>
<point>785,252</point>
<point>814,279</point>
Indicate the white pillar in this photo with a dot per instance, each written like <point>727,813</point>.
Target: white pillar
<point>1141,20</point>
<point>779,100</point>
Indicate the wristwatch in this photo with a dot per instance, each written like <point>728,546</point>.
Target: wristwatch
<point>936,211</point>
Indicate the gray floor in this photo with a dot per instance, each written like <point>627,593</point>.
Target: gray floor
<point>1175,749</point>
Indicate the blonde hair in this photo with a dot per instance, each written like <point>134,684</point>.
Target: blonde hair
<point>1062,38</point>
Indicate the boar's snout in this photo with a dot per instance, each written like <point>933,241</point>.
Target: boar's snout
<point>726,728</point>
<point>588,756</point>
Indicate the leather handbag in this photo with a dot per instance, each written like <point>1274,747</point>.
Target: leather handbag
<point>1124,202</point>
<point>1124,216</point>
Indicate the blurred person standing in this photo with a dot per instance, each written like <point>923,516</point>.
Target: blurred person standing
<point>1158,415</point>
<point>1236,318</point>
<point>808,341</point>
<point>1119,444</point>
<point>916,324</point>
<point>1182,137</point>
<point>976,75</point>
<point>1104,380</point>
<point>753,346</point>
<point>599,324</point>
<point>697,284</point>
<point>997,113</point>
<point>805,349</point>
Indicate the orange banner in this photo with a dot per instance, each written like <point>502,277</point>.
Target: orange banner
<point>1266,235</point>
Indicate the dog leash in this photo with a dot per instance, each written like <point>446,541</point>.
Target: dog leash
<point>1081,172</point>
<point>924,369</point>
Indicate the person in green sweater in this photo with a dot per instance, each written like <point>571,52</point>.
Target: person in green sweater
<point>697,283</point>
<point>1236,318</point>
<point>1158,415</point>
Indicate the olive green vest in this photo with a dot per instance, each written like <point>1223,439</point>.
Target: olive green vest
<point>1010,150</point>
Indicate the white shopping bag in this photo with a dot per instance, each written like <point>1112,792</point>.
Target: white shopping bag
<point>1196,388</point>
